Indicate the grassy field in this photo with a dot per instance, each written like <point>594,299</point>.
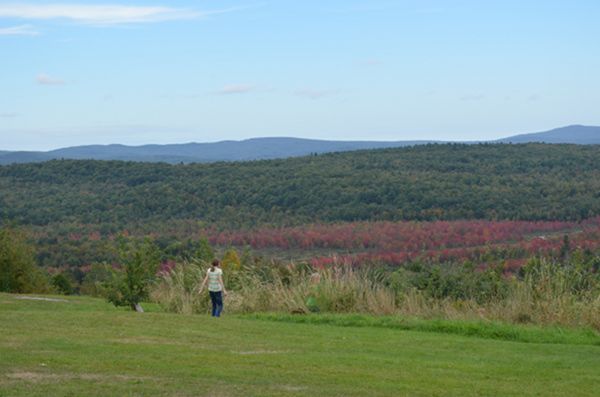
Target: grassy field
<point>85,347</point>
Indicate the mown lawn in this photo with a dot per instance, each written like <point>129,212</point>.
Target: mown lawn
<point>85,347</point>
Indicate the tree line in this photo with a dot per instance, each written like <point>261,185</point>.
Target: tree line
<point>430,182</point>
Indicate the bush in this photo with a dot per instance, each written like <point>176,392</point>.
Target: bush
<point>63,284</point>
<point>131,285</point>
<point>458,281</point>
<point>18,271</point>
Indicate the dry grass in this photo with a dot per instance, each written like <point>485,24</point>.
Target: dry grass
<point>340,290</point>
<point>549,297</point>
<point>45,377</point>
<point>178,290</point>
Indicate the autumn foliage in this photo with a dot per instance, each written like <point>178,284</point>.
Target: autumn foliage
<point>399,242</point>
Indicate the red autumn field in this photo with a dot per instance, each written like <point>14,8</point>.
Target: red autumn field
<point>399,242</point>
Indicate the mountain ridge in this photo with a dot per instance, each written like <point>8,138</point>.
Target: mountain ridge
<point>573,134</point>
<point>269,148</point>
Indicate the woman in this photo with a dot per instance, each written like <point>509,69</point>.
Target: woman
<point>216,289</point>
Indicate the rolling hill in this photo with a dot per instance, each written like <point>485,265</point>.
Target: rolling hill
<point>64,201</point>
<point>573,134</point>
<point>264,148</point>
<point>425,182</point>
<point>250,149</point>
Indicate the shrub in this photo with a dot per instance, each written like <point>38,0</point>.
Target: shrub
<point>131,285</point>
<point>18,271</point>
<point>454,281</point>
<point>63,284</point>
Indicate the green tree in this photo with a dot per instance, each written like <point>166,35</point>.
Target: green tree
<point>204,253</point>
<point>140,263</point>
<point>18,271</point>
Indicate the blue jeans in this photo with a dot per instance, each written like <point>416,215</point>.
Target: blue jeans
<point>216,297</point>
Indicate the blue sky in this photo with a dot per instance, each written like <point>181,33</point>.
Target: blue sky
<point>154,71</point>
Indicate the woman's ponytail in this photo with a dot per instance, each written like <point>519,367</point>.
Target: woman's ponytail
<point>215,263</point>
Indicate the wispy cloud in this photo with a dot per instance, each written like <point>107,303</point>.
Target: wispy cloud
<point>315,94</point>
<point>21,30</point>
<point>472,97</point>
<point>236,89</point>
<point>105,14</point>
<point>8,115</point>
<point>44,79</point>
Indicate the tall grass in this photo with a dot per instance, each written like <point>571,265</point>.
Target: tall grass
<point>178,290</point>
<point>546,293</point>
<point>288,289</point>
<point>553,294</point>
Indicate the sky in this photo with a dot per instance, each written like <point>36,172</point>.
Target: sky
<point>157,71</point>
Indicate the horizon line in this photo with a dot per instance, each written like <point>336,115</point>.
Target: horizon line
<point>441,141</point>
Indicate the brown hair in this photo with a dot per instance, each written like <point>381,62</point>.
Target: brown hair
<point>214,264</point>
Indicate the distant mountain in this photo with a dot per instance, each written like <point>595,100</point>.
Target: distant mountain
<point>575,134</point>
<point>251,149</point>
<point>265,148</point>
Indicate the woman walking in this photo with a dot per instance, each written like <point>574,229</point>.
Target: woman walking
<point>216,288</point>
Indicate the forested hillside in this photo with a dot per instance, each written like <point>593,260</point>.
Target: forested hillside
<point>529,182</point>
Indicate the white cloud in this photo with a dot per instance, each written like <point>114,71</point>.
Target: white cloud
<point>104,14</point>
<point>236,89</point>
<point>8,115</point>
<point>44,79</point>
<point>21,30</point>
<point>315,94</point>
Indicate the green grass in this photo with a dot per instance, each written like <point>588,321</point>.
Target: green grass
<point>481,329</point>
<point>87,347</point>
